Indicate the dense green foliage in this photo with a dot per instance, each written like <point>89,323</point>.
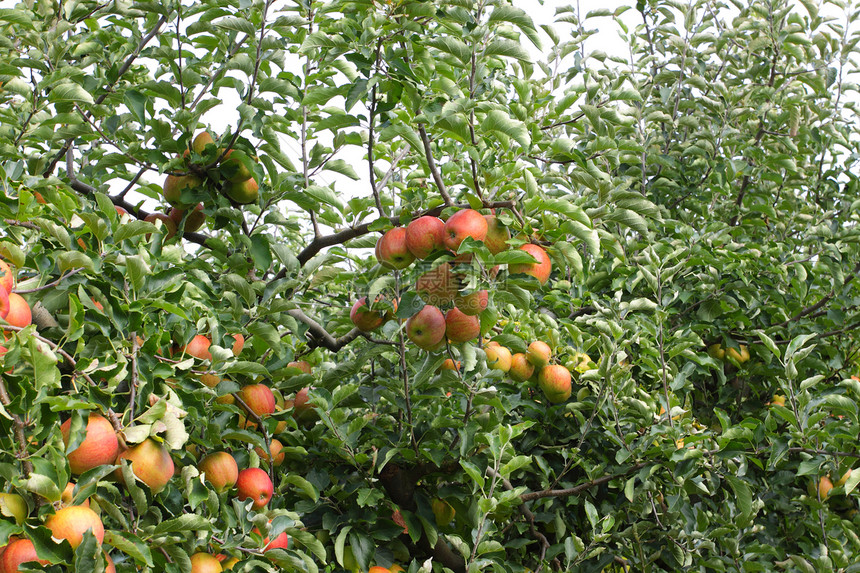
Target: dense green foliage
<point>701,190</point>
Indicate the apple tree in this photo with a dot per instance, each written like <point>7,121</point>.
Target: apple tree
<point>327,285</point>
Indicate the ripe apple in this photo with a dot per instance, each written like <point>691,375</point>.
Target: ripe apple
<point>109,566</point>
<point>243,192</point>
<point>150,462</point>
<point>450,365</point>
<point>210,380</point>
<point>68,496</point>
<point>301,365</point>
<point>259,399</point>
<point>166,221</point>
<point>302,409</point>
<point>100,445</point>
<point>554,380</point>
<point>391,249</point>
<point>17,552</point>
<point>120,212</point>
<point>175,184</point>
<point>254,483</point>
<point>378,569</point>
<point>460,327</point>
<point>778,400</point>
<point>236,166</point>
<point>220,469</point>
<point>282,541</point>
<point>363,318</point>
<point>462,224</point>
<point>438,286</point>
<point>497,235</point>
<point>70,523</point>
<point>238,344</point>
<point>824,487</point>
<point>741,356</point>
<point>540,269</point>
<point>473,303</point>
<point>193,221</point>
<point>229,562</point>
<point>498,357</point>
<point>205,563</point>
<point>521,369</point>
<point>19,311</point>
<point>425,235</point>
<point>4,303</point>
<point>275,447</point>
<point>396,569</point>
<point>13,505</point>
<point>442,511</point>
<point>426,329</point>
<point>201,140</point>
<point>7,277</point>
<point>198,347</point>
<point>539,353</point>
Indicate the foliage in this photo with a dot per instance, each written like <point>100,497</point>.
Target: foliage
<point>700,191</point>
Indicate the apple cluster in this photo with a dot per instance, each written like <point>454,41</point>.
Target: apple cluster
<point>431,327</point>
<point>235,177</point>
<point>534,365</point>
<point>13,307</point>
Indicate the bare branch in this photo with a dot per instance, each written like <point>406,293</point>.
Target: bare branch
<point>432,164</point>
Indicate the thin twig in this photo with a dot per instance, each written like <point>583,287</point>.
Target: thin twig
<point>437,177</point>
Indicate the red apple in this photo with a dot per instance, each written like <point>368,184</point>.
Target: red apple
<point>462,224</point>
<point>19,311</point>
<point>259,399</point>
<point>363,318</point>
<point>425,235</point>
<point>280,542</point>
<point>100,445</point>
<point>238,344</point>
<point>460,327</point>
<point>193,221</point>
<point>391,250</point>
<point>4,305</point>
<point>254,483</point>
<point>120,212</point>
<point>521,369</point>
<point>539,270</point>
<point>498,357</point>
<point>426,328</point>
<point>175,184</point>
<point>67,496</point>
<point>438,286</point>
<point>497,235</point>
<point>7,277</point>
<point>201,140</point>
<point>473,303</point>
<point>70,523</point>
<point>150,462</point>
<point>220,469</point>
<point>301,407</point>
<point>275,447</point>
<point>109,566</point>
<point>451,365</point>
<point>17,552</point>
<point>167,222</point>
<point>205,563</point>
<point>198,347</point>
<point>539,353</point>
<point>301,365</point>
<point>554,380</point>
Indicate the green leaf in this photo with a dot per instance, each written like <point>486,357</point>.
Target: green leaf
<point>42,486</point>
<point>236,24</point>
<point>71,260</point>
<point>133,229</point>
<point>507,48</point>
<point>253,438</point>
<point>268,334</point>
<point>239,285</point>
<point>131,545</point>
<point>137,270</point>
<point>185,522</point>
<point>743,499</point>
<point>70,92</point>
<point>517,17</point>
<point>498,121</point>
<point>304,485</point>
<point>325,195</point>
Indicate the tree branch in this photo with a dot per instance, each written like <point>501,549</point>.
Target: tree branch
<point>319,335</point>
<point>581,487</point>
<point>428,153</point>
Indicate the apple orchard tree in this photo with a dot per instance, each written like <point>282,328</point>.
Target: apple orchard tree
<point>180,299</point>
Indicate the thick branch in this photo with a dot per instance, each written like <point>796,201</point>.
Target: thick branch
<point>320,336</point>
<point>581,487</point>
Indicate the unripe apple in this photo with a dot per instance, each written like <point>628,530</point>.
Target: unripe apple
<point>426,329</point>
<point>425,235</point>
<point>150,462</point>
<point>175,184</point>
<point>201,140</point>
<point>438,286</point>
<point>198,347</point>
<point>521,369</point>
<point>540,269</point>
<point>442,511</point>
<point>498,357</point>
<point>230,562</point>
<point>539,353</point>
<point>243,192</point>
<point>254,484</point>
<point>460,327</point>
<point>18,552</point>
<point>497,235</point>
<point>99,447</point>
<point>221,470</point>
<point>70,523</point>
<point>716,351</point>
<point>391,249</point>
<point>15,506</point>
<point>473,303</point>
<point>236,166</point>
<point>7,277</point>
<point>742,354</point>
<point>363,318</point>
<point>462,224</point>
<point>554,380</point>
<point>205,563</point>
<point>19,311</point>
<point>844,479</point>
